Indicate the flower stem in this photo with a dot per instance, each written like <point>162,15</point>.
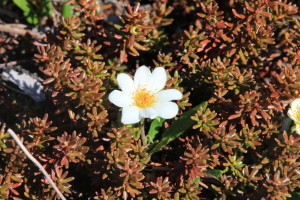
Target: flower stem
<point>142,127</point>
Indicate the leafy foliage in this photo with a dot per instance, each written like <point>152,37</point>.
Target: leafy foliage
<point>34,10</point>
<point>236,63</point>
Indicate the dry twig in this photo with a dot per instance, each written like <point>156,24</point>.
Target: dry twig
<point>47,176</point>
<point>11,28</point>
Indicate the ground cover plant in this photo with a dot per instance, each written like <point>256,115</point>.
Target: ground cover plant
<point>150,99</point>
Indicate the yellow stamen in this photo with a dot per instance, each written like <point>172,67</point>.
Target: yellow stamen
<point>144,98</point>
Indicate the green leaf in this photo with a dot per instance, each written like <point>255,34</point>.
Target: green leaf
<point>215,172</point>
<point>28,11</point>
<point>66,11</point>
<point>154,128</point>
<point>33,13</point>
<point>195,179</point>
<point>32,19</point>
<point>177,128</point>
<point>23,5</point>
<point>46,8</point>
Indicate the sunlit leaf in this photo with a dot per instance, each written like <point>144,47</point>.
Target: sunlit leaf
<point>215,172</point>
<point>177,128</point>
<point>154,128</point>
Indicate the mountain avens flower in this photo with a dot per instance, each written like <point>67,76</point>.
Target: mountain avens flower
<point>143,96</point>
<point>294,113</point>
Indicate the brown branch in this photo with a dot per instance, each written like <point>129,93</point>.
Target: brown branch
<point>11,28</point>
<point>11,64</point>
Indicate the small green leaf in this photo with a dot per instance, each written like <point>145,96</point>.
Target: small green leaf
<point>194,180</point>
<point>46,8</point>
<point>154,128</point>
<point>215,172</point>
<point>68,179</point>
<point>177,128</point>
<point>23,5</point>
<point>118,26</point>
<point>28,11</point>
<point>66,11</point>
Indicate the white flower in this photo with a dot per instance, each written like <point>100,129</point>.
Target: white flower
<point>294,113</point>
<point>143,96</point>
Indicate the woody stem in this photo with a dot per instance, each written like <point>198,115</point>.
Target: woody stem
<point>47,176</point>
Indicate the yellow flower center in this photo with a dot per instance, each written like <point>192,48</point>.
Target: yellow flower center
<point>144,98</point>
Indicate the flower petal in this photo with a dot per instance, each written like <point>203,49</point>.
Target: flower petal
<point>119,98</point>
<point>295,105</point>
<point>159,79</point>
<point>125,83</point>
<point>148,113</point>
<point>298,129</point>
<point>168,95</point>
<point>166,110</point>
<point>143,77</point>
<point>294,110</point>
<point>293,115</point>
<point>130,115</point>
